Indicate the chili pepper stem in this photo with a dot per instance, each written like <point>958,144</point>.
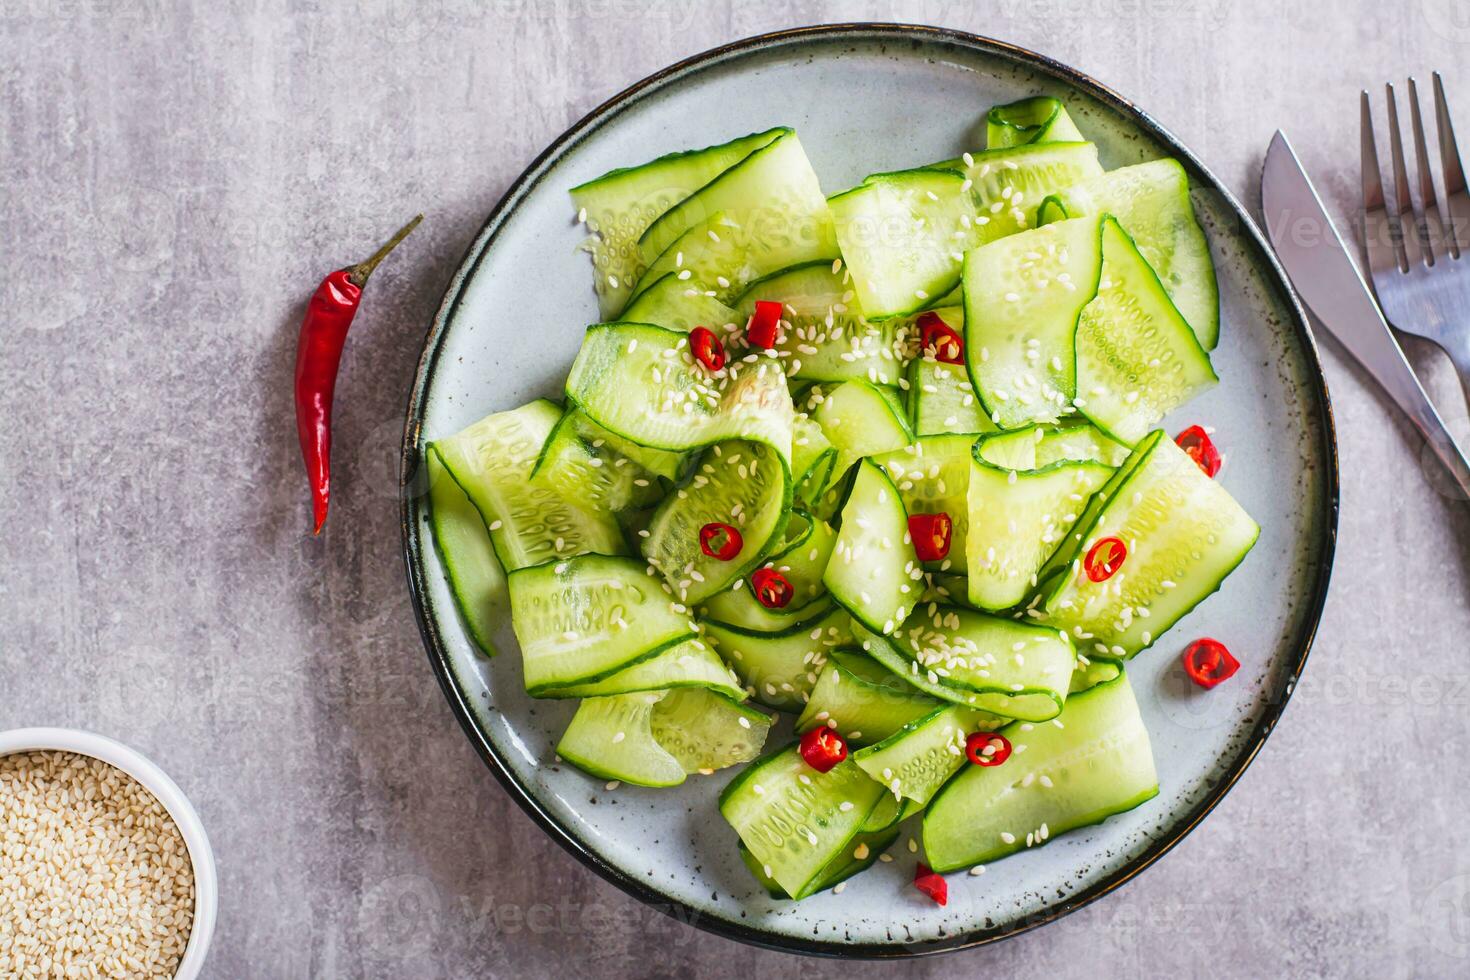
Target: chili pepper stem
<point>358,274</point>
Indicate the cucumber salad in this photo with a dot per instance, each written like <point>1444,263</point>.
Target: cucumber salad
<point>888,462</point>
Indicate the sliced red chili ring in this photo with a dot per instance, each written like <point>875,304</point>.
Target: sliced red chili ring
<point>761,330</point>
<point>772,589</point>
<point>822,748</point>
<point>1207,662</point>
<point>940,337</point>
<point>720,541</point>
<point>931,884</point>
<point>1201,448</point>
<point>987,749</point>
<point>707,348</point>
<point>1104,559</point>
<point>931,534</point>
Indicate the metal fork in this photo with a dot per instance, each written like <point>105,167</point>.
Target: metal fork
<point>1419,250</point>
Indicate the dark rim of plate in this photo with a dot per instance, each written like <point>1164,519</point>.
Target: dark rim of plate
<point>412,509</point>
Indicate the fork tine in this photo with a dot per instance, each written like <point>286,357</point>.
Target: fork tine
<point>1379,227</point>
<point>1430,229</point>
<point>1457,202</point>
<point>1404,204</point>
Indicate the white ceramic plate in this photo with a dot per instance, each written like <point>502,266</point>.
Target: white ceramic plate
<point>867,98</point>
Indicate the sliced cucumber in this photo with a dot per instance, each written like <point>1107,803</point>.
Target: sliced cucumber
<point>829,505</point>
<point>813,459</point>
<point>612,738</point>
<point>706,730</point>
<point>802,558</point>
<point>1009,184</point>
<point>824,337</point>
<point>863,850</point>
<point>1012,668</point>
<point>690,663</point>
<point>641,382</point>
<point>933,477</point>
<point>1079,441</point>
<point>584,619</point>
<point>530,523</point>
<point>621,204</point>
<point>1091,673</point>
<point>667,464</point>
<point>1033,448</point>
<point>1061,560</point>
<point>711,249</point>
<point>1184,534</point>
<point>946,589</point>
<point>579,462</point>
<point>772,196</point>
<point>885,814</point>
<point>780,669</point>
<point>903,236</point>
<point>1024,296</point>
<point>673,303</point>
<point>795,820</point>
<point>742,484</point>
<point>874,571</point>
<point>1098,765</point>
<point>1020,517</point>
<point>859,419</point>
<point>1137,358</point>
<point>1151,201</point>
<point>885,651</point>
<point>657,738</point>
<point>476,579</point>
<point>941,398</point>
<point>744,612</point>
<point>719,256</point>
<point>916,760</point>
<point>1039,119</point>
<point>804,554</point>
<point>861,699</point>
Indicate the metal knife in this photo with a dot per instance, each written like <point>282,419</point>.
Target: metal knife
<point>1325,275</point>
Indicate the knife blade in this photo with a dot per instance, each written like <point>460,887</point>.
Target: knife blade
<point>1325,275</point>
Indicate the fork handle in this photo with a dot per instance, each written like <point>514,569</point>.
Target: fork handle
<point>1458,347</point>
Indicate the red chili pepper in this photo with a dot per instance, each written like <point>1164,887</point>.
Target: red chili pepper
<point>822,748</point>
<point>931,534</point>
<point>1105,558</point>
<point>772,589</point>
<point>707,348</point>
<point>720,541</point>
<point>1201,448</point>
<point>1207,662</point>
<point>318,353</point>
<point>931,884</point>
<point>936,335</point>
<point>987,749</point>
<point>761,330</point>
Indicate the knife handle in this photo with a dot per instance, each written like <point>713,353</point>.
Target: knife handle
<point>1402,385</point>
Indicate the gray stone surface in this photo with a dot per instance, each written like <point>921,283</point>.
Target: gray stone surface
<point>174,178</point>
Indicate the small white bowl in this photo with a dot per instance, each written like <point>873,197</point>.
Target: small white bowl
<point>206,882</point>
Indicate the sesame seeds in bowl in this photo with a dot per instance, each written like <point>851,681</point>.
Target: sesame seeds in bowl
<point>104,867</point>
